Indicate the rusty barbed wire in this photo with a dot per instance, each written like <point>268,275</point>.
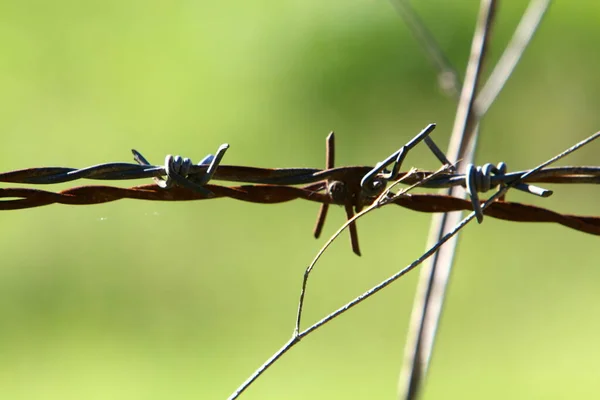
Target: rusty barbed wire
<point>272,194</point>
<point>352,187</point>
<point>278,176</point>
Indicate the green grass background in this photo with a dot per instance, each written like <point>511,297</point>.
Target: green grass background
<point>148,300</point>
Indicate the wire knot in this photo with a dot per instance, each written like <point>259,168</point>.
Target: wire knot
<point>178,170</point>
<point>484,178</point>
<point>479,179</point>
<point>375,181</point>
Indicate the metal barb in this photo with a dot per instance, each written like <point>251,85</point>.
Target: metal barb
<point>178,169</point>
<point>479,179</point>
<point>338,192</point>
<point>371,183</point>
<point>329,164</point>
<point>214,164</point>
<point>438,153</point>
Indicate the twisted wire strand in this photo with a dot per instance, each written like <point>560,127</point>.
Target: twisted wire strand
<point>276,185</point>
<point>479,179</point>
<point>21,198</point>
<point>279,176</point>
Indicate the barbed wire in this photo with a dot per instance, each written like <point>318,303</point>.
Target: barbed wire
<point>353,187</point>
<point>120,171</point>
<point>273,194</point>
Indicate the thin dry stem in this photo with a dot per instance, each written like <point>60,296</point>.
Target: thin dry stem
<point>525,31</point>
<point>434,276</point>
<point>376,204</point>
<point>297,337</point>
<point>448,77</point>
<point>423,304</point>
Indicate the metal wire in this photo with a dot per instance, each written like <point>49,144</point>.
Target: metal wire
<point>270,194</point>
<point>479,179</point>
<point>280,176</point>
<point>353,187</point>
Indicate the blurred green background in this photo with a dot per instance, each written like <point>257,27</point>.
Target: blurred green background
<point>148,300</point>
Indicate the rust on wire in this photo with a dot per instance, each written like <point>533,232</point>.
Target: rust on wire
<point>352,187</point>
<point>339,191</point>
<point>20,198</point>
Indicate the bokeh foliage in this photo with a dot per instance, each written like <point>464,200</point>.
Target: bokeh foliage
<point>134,300</point>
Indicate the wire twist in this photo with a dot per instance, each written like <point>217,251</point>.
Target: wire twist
<point>479,179</point>
<point>352,187</point>
<point>178,170</point>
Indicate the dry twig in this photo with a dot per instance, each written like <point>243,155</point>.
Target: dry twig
<point>384,199</point>
<point>434,276</point>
